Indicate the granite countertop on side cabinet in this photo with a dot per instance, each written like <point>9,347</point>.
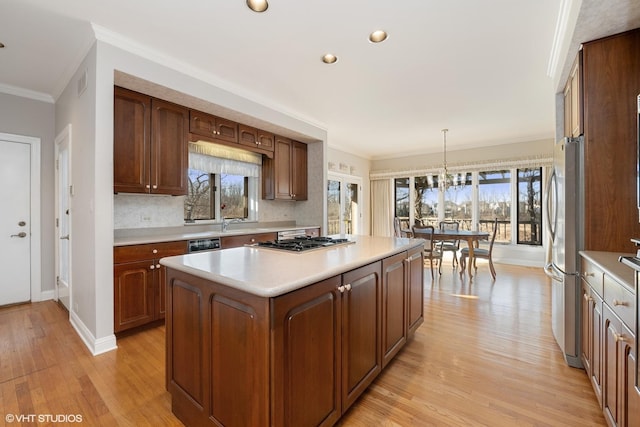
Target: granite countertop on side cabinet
<point>609,262</point>
<point>140,236</point>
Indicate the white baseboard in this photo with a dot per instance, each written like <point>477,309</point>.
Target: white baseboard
<point>44,296</point>
<point>95,346</point>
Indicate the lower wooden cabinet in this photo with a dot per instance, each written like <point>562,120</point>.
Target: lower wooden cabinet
<point>609,344</point>
<point>299,359</point>
<point>227,242</point>
<point>138,285</point>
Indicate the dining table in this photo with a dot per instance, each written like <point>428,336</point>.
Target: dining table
<point>471,237</point>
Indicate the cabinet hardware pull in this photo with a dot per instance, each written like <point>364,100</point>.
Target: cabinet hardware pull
<point>157,265</point>
<point>155,186</point>
<point>348,286</point>
<point>617,303</point>
<point>155,251</point>
<point>587,274</point>
<point>152,267</point>
<point>341,288</point>
<point>147,186</point>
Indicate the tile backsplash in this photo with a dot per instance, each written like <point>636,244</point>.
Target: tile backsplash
<point>144,211</point>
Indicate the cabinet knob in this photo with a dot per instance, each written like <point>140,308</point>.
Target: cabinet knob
<point>155,186</point>
<point>155,251</point>
<point>253,240</point>
<point>157,265</point>
<point>347,287</point>
<point>153,267</point>
<point>619,337</point>
<point>617,303</point>
<point>341,288</point>
<point>147,186</point>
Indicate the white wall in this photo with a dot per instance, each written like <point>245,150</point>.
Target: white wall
<point>23,116</point>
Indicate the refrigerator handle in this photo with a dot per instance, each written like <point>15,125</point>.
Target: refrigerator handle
<point>553,180</point>
<point>556,273</point>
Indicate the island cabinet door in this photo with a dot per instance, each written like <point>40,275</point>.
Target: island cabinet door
<point>306,352</point>
<point>394,300</point>
<point>415,289</point>
<point>361,330</point>
<point>217,353</point>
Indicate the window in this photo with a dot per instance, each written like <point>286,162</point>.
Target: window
<point>426,200</point>
<point>494,200</point>
<point>220,185</point>
<point>530,206</point>
<point>205,203</point>
<point>402,198</point>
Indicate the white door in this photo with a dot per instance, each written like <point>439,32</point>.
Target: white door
<point>344,215</point>
<point>63,218</point>
<point>15,227</point>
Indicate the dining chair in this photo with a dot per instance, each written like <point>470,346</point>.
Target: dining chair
<point>481,253</point>
<point>452,246</point>
<point>430,252</point>
<point>398,231</point>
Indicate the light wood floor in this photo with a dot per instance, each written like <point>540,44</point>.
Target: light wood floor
<point>485,355</point>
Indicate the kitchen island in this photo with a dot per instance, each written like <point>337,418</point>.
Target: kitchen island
<point>261,337</point>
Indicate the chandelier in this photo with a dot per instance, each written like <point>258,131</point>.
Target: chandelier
<point>446,179</point>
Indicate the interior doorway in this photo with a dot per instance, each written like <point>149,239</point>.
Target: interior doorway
<point>20,219</point>
<point>63,217</point>
<point>344,213</point>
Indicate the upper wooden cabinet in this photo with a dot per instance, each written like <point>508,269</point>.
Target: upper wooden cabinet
<point>255,138</point>
<point>150,144</point>
<point>611,83</point>
<point>573,100</point>
<point>285,176</point>
<point>212,127</point>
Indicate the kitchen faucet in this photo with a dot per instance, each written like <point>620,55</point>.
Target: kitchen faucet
<point>226,222</point>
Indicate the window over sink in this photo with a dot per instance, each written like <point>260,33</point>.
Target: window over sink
<point>223,183</point>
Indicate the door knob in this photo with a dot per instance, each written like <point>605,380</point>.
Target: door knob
<point>20,234</point>
<point>22,223</point>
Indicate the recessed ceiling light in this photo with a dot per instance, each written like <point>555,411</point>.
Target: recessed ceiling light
<point>378,36</point>
<point>258,5</point>
<point>329,58</point>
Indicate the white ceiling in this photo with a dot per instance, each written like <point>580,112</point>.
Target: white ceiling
<point>478,68</point>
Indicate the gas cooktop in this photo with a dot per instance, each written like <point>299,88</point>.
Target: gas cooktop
<point>303,243</point>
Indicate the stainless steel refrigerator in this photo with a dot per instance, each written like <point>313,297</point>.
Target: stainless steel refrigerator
<point>565,238</point>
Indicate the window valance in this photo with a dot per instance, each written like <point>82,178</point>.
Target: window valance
<point>213,158</point>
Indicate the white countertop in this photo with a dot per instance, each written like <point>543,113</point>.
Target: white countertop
<point>268,273</point>
<point>154,235</point>
<point>608,261</point>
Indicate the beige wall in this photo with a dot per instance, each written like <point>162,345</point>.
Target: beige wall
<point>540,148</point>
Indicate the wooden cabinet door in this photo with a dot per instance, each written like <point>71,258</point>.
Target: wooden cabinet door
<point>282,171</point>
<point>169,151</point>
<point>629,393</point>
<point>255,138</point>
<point>394,310</point>
<point>597,346</point>
<point>227,242</point>
<point>611,360</point>
<point>361,331</point>
<point>134,290</point>
<point>160,290</point>
<point>226,130</point>
<point>306,356</point>
<point>131,141</point>
<point>202,123</point>
<point>298,171</point>
<point>415,289</point>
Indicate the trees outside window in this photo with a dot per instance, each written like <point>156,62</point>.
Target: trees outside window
<point>214,196</point>
<point>426,199</point>
<point>530,206</point>
<point>494,201</point>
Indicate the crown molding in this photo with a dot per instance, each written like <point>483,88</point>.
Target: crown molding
<point>26,93</point>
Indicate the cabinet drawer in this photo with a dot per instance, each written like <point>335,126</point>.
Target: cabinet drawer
<point>621,301</point>
<point>227,242</point>
<point>593,275</point>
<point>148,251</point>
